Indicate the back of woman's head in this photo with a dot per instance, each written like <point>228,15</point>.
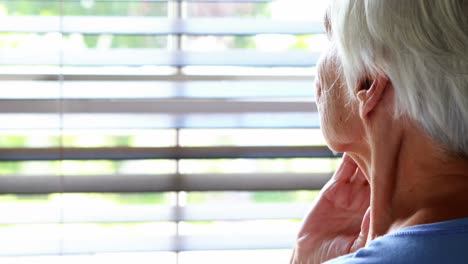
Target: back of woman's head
<point>422,46</point>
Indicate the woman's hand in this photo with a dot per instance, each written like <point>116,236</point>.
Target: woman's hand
<point>338,223</point>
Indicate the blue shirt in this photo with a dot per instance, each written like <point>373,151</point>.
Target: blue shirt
<point>443,242</point>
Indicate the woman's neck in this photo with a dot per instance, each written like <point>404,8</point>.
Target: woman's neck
<point>412,181</point>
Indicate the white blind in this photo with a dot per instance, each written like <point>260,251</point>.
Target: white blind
<point>158,131</point>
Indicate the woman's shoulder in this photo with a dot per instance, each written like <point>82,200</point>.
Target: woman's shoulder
<point>442,242</point>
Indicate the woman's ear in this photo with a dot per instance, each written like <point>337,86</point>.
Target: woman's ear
<point>370,92</point>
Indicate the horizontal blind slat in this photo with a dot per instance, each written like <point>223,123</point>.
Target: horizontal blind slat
<point>145,90</point>
<point>22,214</point>
<point>133,153</point>
<point>77,244</point>
<point>76,75</point>
<point>157,1</point>
<point>158,121</point>
<point>157,57</point>
<point>155,26</point>
<point>199,1</point>
<point>161,183</point>
<point>112,106</point>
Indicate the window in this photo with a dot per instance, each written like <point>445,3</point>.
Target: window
<point>158,131</point>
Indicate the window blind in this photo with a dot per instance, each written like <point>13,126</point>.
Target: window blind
<point>158,131</point>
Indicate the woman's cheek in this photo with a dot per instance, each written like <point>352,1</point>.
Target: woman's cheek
<point>330,122</point>
<point>318,90</point>
<point>326,129</point>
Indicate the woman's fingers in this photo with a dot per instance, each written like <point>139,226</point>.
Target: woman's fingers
<point>362,238</point>
<point>346,170</point>
<point>349,189</point>
<point>338,219</point>
<point>360,178</point>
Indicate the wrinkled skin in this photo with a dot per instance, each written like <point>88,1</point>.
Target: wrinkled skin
<point>336,225</point>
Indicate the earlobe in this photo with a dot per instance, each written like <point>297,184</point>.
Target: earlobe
<point>369,97</point>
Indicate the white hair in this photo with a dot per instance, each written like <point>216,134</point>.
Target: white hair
<point>422,46</point>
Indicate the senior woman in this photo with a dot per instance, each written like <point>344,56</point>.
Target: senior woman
<point>392,92</point>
